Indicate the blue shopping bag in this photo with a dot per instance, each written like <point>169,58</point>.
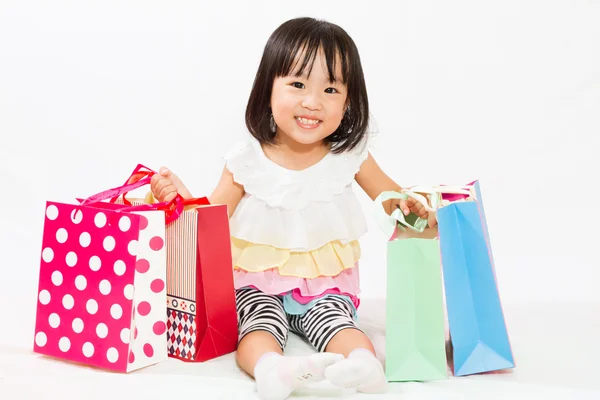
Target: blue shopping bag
<point>478,330</point>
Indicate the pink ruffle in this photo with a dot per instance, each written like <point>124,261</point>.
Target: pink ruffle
<point>297,297</point>
<point>271,282</point>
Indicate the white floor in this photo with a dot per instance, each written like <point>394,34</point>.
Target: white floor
<point>556,351</point>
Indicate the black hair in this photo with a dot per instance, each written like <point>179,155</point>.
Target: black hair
<point>308,36</point>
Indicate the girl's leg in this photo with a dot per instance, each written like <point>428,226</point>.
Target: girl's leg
<point>263,335</point>
<point>263,327</point>
<point>329,326</point>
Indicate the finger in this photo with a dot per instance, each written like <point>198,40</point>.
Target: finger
<point>169,197</point>
<point>164,171</point>
<point>431,220</point>
<point>404,207</point>
<point>419,210</point>
<point>163,183</point>
<point>159,186</point>
<point>154,180</point>
<point>170,191</point>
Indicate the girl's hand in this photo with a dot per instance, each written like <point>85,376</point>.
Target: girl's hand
<point>414,206</point>
<point>165,185</point>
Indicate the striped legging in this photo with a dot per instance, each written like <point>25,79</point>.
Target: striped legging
<point>258,311</point>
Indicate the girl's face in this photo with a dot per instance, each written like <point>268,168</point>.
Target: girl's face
<point>307,110</point>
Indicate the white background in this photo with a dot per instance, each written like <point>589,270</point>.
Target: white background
<point>507,92</point>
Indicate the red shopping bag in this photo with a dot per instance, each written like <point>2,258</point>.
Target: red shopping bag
<point>202,319</point>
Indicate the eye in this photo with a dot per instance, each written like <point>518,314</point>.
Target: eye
<point>331,90</point>
<point>298,85</point>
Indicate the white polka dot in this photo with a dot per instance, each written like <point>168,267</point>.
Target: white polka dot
<point>116,311</point>
<point>100,220</point>
<point>64,344</point>
<point>44,297</point>
<point>87,349</point>
<point>71,259</point>
<point>85,239</point>
<point>76,216</point>
<point>105,287</point>
<point>57,278</point>
<point>48,254</point>
<point>128,292</point>
<point>41,339</point>
<point>77,325</point>
<point>62,235</point>
<point>52,212</point>
<point>132,247</point>
<point>125,335</point>
<point>119,267</point>
<point>80,282</point>
<point>102,330</point>
<point>109,243</point>
<point>91,306</point>
<point>112,355</point>
<point>54,320</point>
<point>124,224</point>
<point>95,263</point>
<point>68,301</point>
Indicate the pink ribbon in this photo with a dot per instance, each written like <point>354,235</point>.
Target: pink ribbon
<point>142,176</point>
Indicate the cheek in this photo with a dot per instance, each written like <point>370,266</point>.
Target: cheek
<point>337,115</point>
<point>282,109</point>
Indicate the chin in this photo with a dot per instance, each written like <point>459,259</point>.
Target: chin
<point>307,138</point>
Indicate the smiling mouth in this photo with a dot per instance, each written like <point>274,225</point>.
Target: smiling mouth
<point>308,122</point>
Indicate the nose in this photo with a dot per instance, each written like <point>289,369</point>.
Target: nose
<point>312,102</point>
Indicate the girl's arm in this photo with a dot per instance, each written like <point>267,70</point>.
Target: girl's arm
<point>227,192</point>
<point>374,181</point>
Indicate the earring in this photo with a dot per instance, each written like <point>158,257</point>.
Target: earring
<point>272,124</point>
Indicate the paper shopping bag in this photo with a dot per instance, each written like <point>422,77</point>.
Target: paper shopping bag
<point>202,318</point>
<point>101,294</point>
<point>201,307</point>
<point>478,330</point>
<point>415,320</point>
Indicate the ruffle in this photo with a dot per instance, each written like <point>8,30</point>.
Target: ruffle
<point>297,296</point>
<point>272,283</point>
<point>317,224</point>
<point>327,260</point>
<point>289,189</point>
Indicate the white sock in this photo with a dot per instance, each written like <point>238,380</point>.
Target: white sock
<point>361,370</point>
<point>278,376</point>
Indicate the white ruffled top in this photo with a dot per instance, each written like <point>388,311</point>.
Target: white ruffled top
<point>296,210</point>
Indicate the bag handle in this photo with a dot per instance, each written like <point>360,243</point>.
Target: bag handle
<point>388,223</point>
<point>114,193</point>
<point>446,193</point>
<point>139,172</point>
<point>142,176</point>
<point>173,209</point>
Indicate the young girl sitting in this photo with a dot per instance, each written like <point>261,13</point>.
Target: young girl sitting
<point>294,219</point>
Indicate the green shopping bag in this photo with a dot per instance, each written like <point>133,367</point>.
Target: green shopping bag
<point>415,319</point>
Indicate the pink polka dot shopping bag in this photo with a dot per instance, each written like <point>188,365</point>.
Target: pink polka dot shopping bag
<point>102,288</point>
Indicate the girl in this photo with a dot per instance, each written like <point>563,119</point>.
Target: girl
<point>295,221</point>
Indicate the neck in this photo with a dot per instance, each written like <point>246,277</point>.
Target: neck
<point>288,145</point>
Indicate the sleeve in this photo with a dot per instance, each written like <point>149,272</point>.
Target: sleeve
<point>240,160</point>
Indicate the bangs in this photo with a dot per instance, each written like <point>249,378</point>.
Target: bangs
<point>298,57</point>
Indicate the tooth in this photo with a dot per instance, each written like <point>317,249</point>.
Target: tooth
<point>308,121</point>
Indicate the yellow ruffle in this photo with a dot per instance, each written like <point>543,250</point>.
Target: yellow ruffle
<point>328,260</point>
